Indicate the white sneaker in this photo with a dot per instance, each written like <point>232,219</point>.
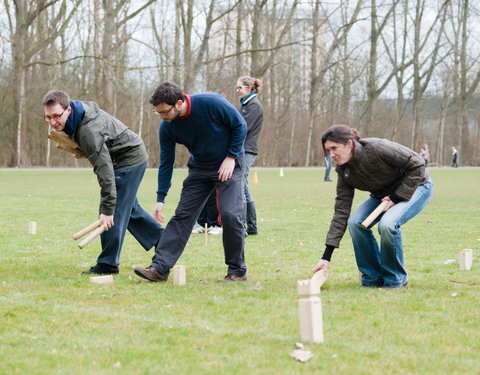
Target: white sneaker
<point>197,229</point>
<point>215,230</point>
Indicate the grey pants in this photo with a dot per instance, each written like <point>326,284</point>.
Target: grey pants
<point>197,187</point>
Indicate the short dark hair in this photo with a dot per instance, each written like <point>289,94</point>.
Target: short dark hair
<point>168,93</point>
<point>56,96</point>
<point>340,134</point>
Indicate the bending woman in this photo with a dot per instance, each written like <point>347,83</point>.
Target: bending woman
<point>390,172</point>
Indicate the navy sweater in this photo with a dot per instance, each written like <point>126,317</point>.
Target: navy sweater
<point>213,130</point>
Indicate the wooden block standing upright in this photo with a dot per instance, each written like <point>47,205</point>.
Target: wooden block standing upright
<point>465,259</point>
<point>206,234</point>
<point>179,275</point>
<point>310,308</point>
<point>32,227</point>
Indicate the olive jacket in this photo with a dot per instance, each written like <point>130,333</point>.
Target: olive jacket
<point>109,145</point>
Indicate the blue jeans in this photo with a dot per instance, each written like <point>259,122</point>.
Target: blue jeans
<point>249,160</point>
<point>128,215</point>
<point>384,265</point>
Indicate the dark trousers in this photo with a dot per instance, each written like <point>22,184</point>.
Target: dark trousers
<point>128,215</point>
<point>197,187</point>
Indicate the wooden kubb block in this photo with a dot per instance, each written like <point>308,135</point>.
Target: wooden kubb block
<point>310,309</point>
<point>465,259</point>
<point>107,279</point>
<point>32,227</point>
<point>179,275</point>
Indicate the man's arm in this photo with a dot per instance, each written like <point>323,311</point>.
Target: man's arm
<point>93,144</point>
<point>230,116</point>
<point>167,159</point>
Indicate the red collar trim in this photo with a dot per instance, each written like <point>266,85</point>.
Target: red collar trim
<point>189,106</point>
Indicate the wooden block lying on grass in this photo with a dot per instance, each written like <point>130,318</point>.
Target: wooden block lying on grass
<point>107,279</point>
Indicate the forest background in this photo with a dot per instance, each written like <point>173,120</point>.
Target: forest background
<point>407,70</point>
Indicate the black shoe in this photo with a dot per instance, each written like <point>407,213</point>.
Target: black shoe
<point>101,269</point>
<point>150,273</point>
<point>232,278</point>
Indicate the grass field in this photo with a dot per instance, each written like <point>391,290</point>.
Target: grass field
<point>54,321</point>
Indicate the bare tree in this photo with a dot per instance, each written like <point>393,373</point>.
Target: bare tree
<point>113,15</point>
<point>319,69</point>
<point>21,20</point>
<point>423,69</point>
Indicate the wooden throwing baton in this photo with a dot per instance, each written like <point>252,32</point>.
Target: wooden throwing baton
<point>97,230</point>
<point>65,143</point>
<point>375,213</point>
<point>319,278</point>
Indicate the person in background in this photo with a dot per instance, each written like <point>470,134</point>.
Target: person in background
<point>425,154</point>
<point>455,157</point>
<point>119,160</point>
<point>391,173</point>
<point>328,167</point>
<point>214,133</point>
<point>209,216</point>
<point>252,111</point>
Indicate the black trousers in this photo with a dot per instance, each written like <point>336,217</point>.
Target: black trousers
<point>197,187</point>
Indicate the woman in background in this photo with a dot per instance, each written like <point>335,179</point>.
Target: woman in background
<point>252,111</point>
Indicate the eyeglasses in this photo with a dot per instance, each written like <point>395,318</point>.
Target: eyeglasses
<point>163,114</point>
<point>238,88</point>
<point>53,117</point>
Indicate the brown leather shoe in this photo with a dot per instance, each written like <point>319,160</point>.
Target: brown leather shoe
<point>232,278</point>
<point>150,274</point>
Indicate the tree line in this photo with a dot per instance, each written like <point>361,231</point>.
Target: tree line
<point>406,70</point>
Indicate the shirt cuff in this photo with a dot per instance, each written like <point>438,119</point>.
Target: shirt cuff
<point>327,254</point>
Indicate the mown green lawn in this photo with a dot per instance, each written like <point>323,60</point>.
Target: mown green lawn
<point>54,321</point>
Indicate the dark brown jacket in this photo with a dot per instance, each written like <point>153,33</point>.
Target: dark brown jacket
<point>382,167</point>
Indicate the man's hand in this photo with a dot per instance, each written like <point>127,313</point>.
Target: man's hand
<point>322,265</point>
<point>389,204</point>
<point>106,221</point>
<point>158,212</point>
<point>226,169</point>
<point>80,154</point>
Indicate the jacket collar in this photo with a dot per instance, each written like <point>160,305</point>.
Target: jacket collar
<point>247,98</point>
<point>357,153</point>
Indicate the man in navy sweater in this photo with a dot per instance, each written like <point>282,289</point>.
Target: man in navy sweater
<point>214,132</point>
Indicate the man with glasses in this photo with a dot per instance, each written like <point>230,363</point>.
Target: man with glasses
<point>119,160</point>
<point>214,132</point>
